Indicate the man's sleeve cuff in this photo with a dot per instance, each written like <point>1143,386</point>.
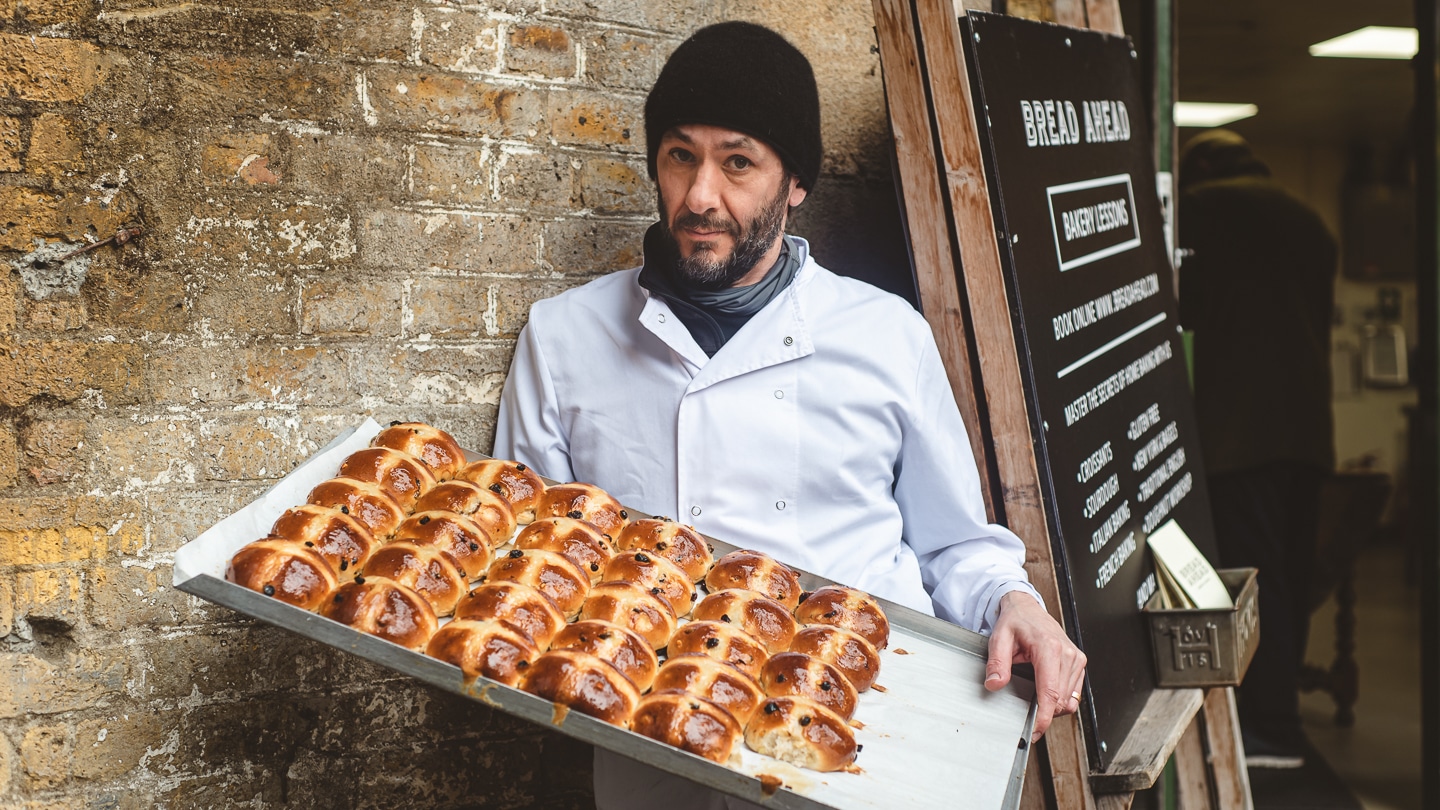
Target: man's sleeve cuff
<point>992,611</point>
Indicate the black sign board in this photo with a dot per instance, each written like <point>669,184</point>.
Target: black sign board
<point>1065,137</point>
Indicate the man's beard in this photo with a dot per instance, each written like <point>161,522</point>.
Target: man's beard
<point>701,269</point>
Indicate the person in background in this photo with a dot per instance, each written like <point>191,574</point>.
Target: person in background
<point>1258,293</point>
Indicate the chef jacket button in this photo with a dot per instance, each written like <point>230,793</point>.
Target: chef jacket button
<point>789,340</point>
<point>779,394</point>
<point>779,504</point>
<point>695,510</point>
<point>662,317</point>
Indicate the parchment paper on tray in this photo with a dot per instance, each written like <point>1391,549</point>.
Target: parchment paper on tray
<point>933,738</point>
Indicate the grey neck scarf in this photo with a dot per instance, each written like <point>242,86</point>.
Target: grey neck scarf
<point>746,301</point>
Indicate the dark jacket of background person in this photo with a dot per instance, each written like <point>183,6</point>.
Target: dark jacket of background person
<point>1258,293</point>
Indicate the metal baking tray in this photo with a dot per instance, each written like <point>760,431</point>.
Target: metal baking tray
<point>933,738</point>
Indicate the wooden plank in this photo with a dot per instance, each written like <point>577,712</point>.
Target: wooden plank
<point>1104,15</point>
<point>1142,756</point>
<point>1037,774</point>
<point>1070,12</point>
<point>1115,801</point>
<point>1192,777</point>
<point>924,211</point>
<point>973,231</point>
<point>1227,752</point>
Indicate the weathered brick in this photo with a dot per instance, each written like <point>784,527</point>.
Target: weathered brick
<point>56,314</point>
<point>406,241</point>
<point>7,764</point>
<point>347,166</point>
<point>45,754</point>
<point>258,447</point>
<point>248,304</point>
<point>30,369</point>
<point>279,235</point>
<point>10,144</point>
<point>454,304</point>
<point>55,147</point>
<point>45,530</point>
<point>362,30</point>
<point>133,453</point>
<point>422,378</point>
<point>233,29</point>
<point>120,597</point>
<point>52,593</point>
<point>246,661</point>
<point>31,685</point>
<point>108,747</point>
<point>241,159</point>
<point>681,16</point>
<point>26,216</point>
<point>52,12</point>
<point>175,520</point>
<point>445,173</point>
<point>350,304</point>
<point>542,49</point>
<point>129,296</point>
<point>459,40</point>
<point>452,104</point>
<point>534,180</point>
<point>55,450</point>
<point>620,59</point>
<point>9,458</point>
<point>266,372</point>
<point>49,69</point>
<point>585,245</point>
<point>587,118</point>
<point>281,89</point>
<point>7,614</point>
<point>610,186</point>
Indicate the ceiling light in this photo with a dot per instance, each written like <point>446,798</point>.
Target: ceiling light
<point>1210,114</point>
<point>1371,42</point>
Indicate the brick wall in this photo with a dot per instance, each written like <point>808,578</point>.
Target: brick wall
<point>348,207</point>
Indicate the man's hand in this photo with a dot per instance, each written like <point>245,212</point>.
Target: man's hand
<point>1025,633</point>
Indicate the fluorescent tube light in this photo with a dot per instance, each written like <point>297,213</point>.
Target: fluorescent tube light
<point>1371,42</point>
<point>1210,114</point>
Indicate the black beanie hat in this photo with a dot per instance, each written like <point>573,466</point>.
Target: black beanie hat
<point>744,77</point>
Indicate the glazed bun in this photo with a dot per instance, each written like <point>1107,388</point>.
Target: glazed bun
<point>427,570</point>
<point>656,575</point>
<point>339,538</point>
<point>688,722</point>
<point>452,533</point>
<point>801,732</point>
<point>489,511</point>
<point>753,571</point>
<point>630,605</point>
<point>438,449</point>
<point>762,617</point>
<point>530,611</point>
<point>580,542</point>
<point>716,681</point>
<point>402,476</point>
<point>547,572</point>
<point>679,544</point>
<point>585,683</point>
<point>288,571</point>
<point>723,642</point>
<point>492,648</point>
<point>386,609</point>
<point>849,609</point>
<point>362,500</point>
<point>625,649</point>
<point>856,658</point>
<point>800,675</point>
<point>513,481</point>
<point>584,502</point>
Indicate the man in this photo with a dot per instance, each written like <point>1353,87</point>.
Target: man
<point>1259,295</point>
<point>734,383</point>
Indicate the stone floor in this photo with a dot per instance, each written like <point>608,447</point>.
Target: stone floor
<point>1379,757</point>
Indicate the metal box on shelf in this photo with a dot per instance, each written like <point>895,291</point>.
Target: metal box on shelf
<point>1195,648</point>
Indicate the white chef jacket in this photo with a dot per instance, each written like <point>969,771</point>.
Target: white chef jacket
<point>823,433</point>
